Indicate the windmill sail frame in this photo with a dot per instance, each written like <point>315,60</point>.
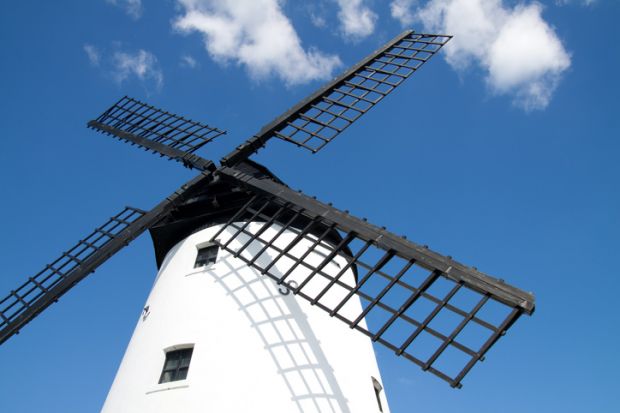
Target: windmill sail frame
<point>318,119</point>
<point>27,301</point>
<point>394,277</point>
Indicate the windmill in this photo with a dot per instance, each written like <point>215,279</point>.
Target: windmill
<point>252,271</point>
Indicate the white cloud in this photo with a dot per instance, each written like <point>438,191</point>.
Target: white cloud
<point>527,57</point>
<point>131,7</point>
<point>402,10</point>
<point>188,61</point>
<point>141,64</point>
<point>356,19</point>
<point>317,11</point>
<point>520,52</point>
<point>257,35</point>
<point>94,57</point>
<point>318,20</point>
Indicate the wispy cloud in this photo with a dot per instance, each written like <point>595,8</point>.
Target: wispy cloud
<point>317,12</point>
<point>357,20</point>
<point>94,56</point>
<point>132,7</point>
<point>141,64</point>
<point>519,51</point>
<point>257,35</point>
<point>318,20</point>
<point>188,61</point>
<point>580,2</point>
<point>122,65</point>
<point>402,10</point>
<point>407,381</point>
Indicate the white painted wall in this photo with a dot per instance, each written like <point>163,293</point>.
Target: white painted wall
<point>255,349</point>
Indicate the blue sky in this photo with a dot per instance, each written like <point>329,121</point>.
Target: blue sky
<point>501,152</point>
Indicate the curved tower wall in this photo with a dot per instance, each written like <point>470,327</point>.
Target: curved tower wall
<point>256,347</point>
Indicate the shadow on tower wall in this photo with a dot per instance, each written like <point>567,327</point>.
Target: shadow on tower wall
<point>287,335</point>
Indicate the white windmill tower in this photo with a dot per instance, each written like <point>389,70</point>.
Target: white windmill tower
<point>230,339</point>
<point>253,274</point>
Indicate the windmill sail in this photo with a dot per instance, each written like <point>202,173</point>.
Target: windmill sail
<point>157,130</point>
<point>317,120</point>
<point>27,301</point>
<point>41,290</point>
<point>427,308</point>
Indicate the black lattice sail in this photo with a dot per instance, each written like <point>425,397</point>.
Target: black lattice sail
<point>160,131</point>
<point>27,298</point>
<point>357,92</point>
<point>23,304</point>
<point>317,120</point>
<point>427,308</point>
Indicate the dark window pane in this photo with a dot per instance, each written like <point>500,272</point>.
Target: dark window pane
<point>171,364</point>
<point>182,375</point>
<point>176,365</point>
<point>166,377</point>
<point>206,256</point>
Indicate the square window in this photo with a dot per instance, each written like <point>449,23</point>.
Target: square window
<point>207,255</point>
<point>176,365</point>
